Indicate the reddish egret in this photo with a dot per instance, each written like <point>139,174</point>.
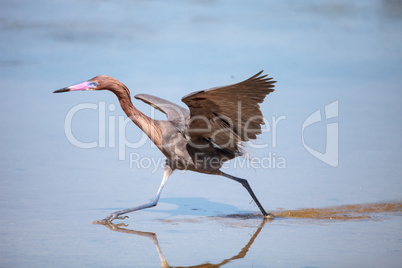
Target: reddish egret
<point>213,131</point>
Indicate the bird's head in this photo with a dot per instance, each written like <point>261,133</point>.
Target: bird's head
<point>100,82</point>
<point>97,83</point>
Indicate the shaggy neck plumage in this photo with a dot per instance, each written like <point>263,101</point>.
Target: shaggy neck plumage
<point>145,123</point>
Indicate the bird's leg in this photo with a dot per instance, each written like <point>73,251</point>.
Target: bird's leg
<point>247,186</point>
<point>117,214</point>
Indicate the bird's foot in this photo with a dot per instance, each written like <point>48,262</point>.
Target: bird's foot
<point>269,216</point>
<point>107,220</point>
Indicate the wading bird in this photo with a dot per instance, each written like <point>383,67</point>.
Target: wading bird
<point>212,131</point>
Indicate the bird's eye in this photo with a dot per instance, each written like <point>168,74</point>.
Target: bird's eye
<point>93,84</point>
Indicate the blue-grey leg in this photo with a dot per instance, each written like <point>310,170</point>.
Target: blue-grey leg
<point>117,214</point>
<point>250,191</point>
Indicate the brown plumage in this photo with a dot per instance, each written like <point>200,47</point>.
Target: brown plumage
<point>225,111</point>
<point>145,123</point>
<point>202,138</point>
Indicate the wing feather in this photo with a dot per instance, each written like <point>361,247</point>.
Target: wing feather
<point>228,115</point>
<point>172,110</point>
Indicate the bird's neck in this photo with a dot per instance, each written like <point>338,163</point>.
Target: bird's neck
<point>145,123</point>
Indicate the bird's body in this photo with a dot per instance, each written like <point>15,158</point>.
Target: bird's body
<point>201,138</point>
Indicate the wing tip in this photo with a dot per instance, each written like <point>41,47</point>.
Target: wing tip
<point>139,96</point>
<point>260,76</point>
<point>263,78</point>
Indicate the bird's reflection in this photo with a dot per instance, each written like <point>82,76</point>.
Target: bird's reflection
<point>121,227</point>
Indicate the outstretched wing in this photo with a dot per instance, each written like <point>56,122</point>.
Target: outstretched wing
<point>230,114</point>
<point>173,111</point>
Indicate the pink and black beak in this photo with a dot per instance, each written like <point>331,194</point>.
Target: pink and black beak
<point>89,85</point>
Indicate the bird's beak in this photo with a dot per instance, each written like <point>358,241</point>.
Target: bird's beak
<point>82,86</point>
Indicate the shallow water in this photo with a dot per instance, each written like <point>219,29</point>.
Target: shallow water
<point>326,220</point>
<point>335,206</point>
